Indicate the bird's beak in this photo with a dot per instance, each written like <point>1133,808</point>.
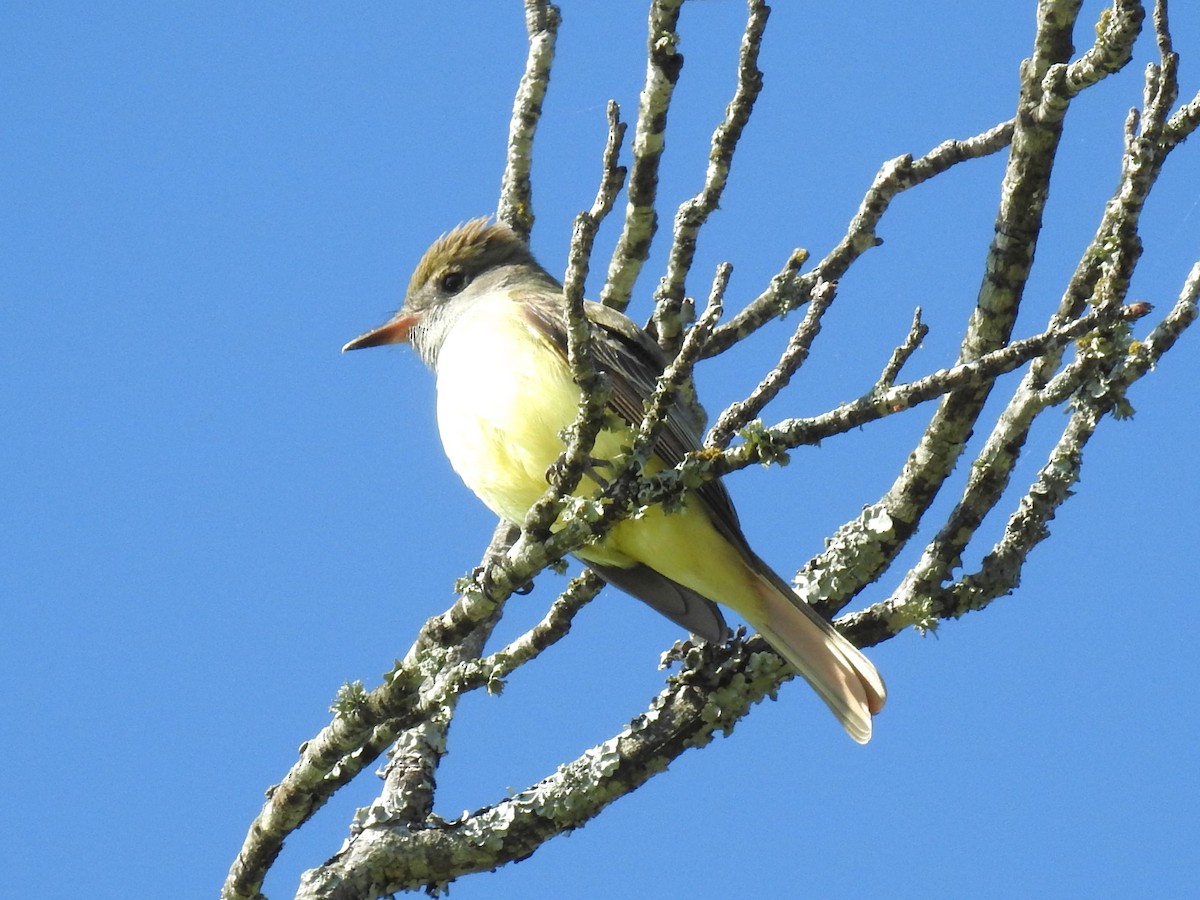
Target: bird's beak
<point>392,332</point>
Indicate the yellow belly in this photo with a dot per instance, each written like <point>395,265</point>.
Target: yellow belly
<point>504,398</point>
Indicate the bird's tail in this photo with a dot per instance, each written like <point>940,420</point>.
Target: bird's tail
<point>838,671</point>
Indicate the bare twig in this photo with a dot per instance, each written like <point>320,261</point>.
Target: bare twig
<point>663,64</point>
<point>363,725</point>
<point>568,469</point>
<point>738,414</point>
<point>552,628</point>
<point>679,371</point>
<point>1101,278</point>
<point>878,404</point>
<point>516,193</point>
<point>902,354</point>
<point>1001,569</point>
<point>789,289</point>
<point>1116,32</point>
<point>668,322</point>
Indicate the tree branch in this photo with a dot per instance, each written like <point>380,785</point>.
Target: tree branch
<point>788,289</point>
<point>1102,278</point>
<point>668,323</point>
<point>516,192</point>
<point>1027,527</point>
<point>863,548</point>
<point>739,414</point>
<point>568,469</point>
<point>663,65</point>
<point>685,714</point>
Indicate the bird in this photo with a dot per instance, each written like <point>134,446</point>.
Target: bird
<point>490,322</point>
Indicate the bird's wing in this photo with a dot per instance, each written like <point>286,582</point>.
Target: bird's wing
<point>633,362</point>
<point>680,604</point>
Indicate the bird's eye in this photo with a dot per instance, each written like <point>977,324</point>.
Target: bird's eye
<point>453,281</point>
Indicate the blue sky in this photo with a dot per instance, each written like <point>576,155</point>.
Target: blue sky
<point>210,519</point>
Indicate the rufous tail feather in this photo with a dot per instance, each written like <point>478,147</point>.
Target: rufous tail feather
<point>837,670</point>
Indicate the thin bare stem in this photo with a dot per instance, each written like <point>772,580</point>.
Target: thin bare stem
<point>668,321</point>
<point>738,414</point>
<point>663,64</point>
<point>567,471</point>
<point>788,289</point>
<point>516,191</point>
<point>902,354</point>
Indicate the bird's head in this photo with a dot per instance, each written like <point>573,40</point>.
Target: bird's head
<point>465,264</point>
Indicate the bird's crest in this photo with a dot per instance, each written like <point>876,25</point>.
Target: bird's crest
<point>478,245</point>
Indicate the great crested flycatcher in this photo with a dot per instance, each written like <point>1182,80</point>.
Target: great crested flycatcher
<point>491,324</point>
